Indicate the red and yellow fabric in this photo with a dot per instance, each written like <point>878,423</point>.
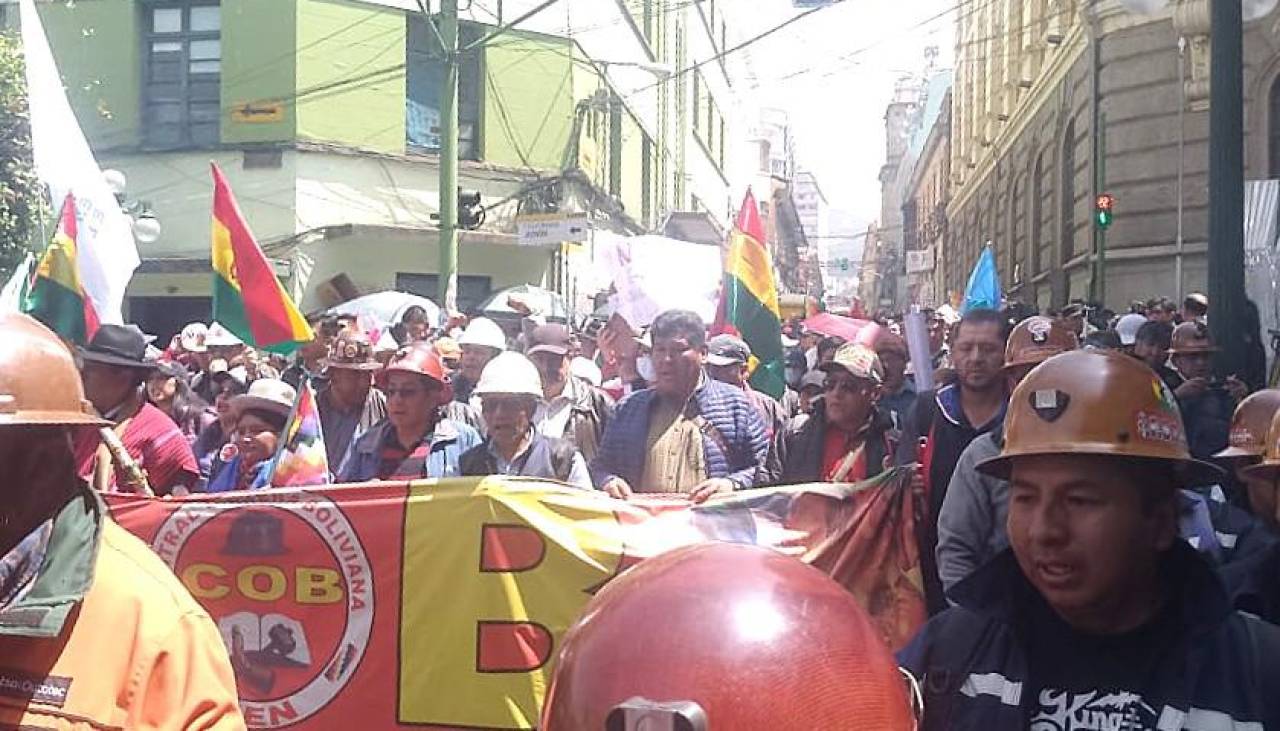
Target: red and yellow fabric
<point>248,299</point>
<point>55,295</point>
<point>749,300</point>
<point>442,604</point>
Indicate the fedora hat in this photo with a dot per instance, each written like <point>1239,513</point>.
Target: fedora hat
<point>118,345</point>
<point>268,394</point>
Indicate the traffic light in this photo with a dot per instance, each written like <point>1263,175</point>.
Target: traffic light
<point>1104,210</point>
<point>470,212</point>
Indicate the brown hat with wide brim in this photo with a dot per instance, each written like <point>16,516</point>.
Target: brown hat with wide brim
<point>1095,402</point>
<point>1251,423</point>
<point>1269,467</point>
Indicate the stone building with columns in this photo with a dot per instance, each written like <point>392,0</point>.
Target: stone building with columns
<point>1056,101</point>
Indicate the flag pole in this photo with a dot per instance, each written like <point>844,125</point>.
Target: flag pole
<point>283,441</point>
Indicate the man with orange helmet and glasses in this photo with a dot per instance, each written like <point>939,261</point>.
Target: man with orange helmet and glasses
<point>1098,616</point>
<point>971,522</point>
<point>415,440</point>
<point>95,630</point>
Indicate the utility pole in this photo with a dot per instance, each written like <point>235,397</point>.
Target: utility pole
<point>449,158</point>
<point>1226,186</point>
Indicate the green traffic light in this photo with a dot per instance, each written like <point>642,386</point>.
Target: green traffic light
<point>1104,219</point>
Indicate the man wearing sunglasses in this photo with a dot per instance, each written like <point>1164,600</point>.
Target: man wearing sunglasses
<point>415,440</point>
<point>844,439</point>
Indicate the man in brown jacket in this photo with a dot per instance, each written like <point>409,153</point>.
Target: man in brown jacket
<point>573,409</point>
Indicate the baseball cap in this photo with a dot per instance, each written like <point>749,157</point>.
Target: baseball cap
<point>813,379</point>
<point>1128,326</point>
<point>858,361</point>
<point>725,350</point>
<point>550,339</point>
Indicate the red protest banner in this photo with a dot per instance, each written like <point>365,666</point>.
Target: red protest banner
<point>441,604</point>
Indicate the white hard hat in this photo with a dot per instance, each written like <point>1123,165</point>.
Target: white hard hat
<point>220,336</point>
<point>510,373</point>
<point>483,331</point>
<point>193,337</point>
<point>1128,326</point>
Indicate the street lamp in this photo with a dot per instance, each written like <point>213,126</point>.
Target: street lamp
<point>146,227</point>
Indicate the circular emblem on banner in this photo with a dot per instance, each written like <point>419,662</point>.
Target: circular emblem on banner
<point>291,590</point>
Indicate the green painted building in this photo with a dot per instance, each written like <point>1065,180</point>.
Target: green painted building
<point>324,116</point>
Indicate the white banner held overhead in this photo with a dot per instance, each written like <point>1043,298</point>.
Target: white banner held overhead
<point>105,251</point>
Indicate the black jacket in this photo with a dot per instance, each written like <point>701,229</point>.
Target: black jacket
<point>797,449</point>
<point>1223,671</point>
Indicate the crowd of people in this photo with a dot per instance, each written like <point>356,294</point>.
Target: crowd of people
<point>1059,460</point>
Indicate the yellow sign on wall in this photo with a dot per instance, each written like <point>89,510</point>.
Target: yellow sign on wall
<point>258,112</point>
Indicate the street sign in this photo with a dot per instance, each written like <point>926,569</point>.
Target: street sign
<point>552,228</point>
<point>920,261</point>
<point>258,112</point>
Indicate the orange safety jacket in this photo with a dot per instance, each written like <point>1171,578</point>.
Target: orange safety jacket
<point>107,638</point>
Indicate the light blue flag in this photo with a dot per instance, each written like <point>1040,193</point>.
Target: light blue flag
<point>983,291</point>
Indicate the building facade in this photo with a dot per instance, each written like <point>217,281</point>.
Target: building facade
<point>1058,101</point>
<point>324,114</point>
<point>924,210</point>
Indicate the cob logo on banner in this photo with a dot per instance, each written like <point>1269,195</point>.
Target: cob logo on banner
<point>291,590</point>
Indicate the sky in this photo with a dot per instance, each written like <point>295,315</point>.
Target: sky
<point>834,73</point>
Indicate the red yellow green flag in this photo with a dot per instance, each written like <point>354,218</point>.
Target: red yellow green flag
<point>55,295</point>
<point>749,300</point>
<point>247,298</point>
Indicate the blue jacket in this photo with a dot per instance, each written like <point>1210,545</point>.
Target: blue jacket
<point>225,481</point>
<point>973,665</point>
<point>448,442</point>
<point>733,439</point>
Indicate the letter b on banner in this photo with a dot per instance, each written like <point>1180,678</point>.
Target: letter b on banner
<point>491,582</point>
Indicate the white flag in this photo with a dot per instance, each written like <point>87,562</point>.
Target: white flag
<point>105,252</point>
<point>16,288</point>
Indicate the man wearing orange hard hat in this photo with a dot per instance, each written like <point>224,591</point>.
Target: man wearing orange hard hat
<point>971,522</point>
<point>95,630</point>
<point>1097,610</point>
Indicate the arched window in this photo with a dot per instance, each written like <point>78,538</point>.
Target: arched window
<point>1037,215</point>
<point>1273,129</point>
<point>1067,235</point>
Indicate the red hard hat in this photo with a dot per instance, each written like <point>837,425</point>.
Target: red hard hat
<point>743,636</point>
<point>420,358</point>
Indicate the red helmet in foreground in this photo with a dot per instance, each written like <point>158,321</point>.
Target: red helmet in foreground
<point>726,637</point>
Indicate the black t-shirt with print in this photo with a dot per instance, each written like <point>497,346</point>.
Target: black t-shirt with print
<point>1079,681</point>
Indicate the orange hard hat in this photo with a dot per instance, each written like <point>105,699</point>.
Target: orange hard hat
<point>1191,337</point>
<point>734,636</point>
<point>1096,402</point>
<point>39,382</point>
<point>1035,340</point>
<point>1251,423</point>
<point>420,358</point>
<point>1269,467</point>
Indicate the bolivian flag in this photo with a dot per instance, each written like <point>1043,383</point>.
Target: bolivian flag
<point>247,298</point>
<point>749,299</point>
<point>55,296</point>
